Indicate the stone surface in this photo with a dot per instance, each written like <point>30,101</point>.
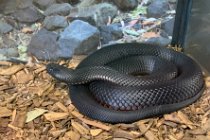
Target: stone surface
<point>160,41</point>
<point>6,42</point>
<point>168,26</point>
<point>68,1</point>
<point>8,6</point>
<point>62,9</point>
<point>43,4</point>
<point>5,28</point>
<point>98,14</point>
<point>81,37</point>
<point>9,52</point>
<point>24,3</point>
<point>55,22</point>
<point>110,33</point>
<point>157,8</point>
<point>28,15</point>
<point>126,4</point>
<point>44,46</point>
<point>88,3</point>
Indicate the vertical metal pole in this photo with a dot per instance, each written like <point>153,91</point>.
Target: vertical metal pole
<point>181,22</point>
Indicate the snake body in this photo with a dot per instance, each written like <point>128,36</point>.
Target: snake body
<point>131,81</point>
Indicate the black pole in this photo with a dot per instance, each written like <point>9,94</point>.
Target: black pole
<point>181,22</point>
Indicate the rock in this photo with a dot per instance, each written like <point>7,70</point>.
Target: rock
<point>44,46</point>
<point>24,3</point>
<point>160,41</point>
<point>68,1</point>
<point>98,14</point>
<point>88,3</point>
<point>28,15</point>
<point>63,1</point>
<point>110,33</point>
<point>43,4</point>
<point>8,6</point>
<point>157,8</point>
<point>126,5</point>
<point>55,22</point>
<point>81,37</point>
<point>58,9</point>
<point>168,26</point>
<point>5,28</point>
<point>8,43</point>
<point>9,52</point>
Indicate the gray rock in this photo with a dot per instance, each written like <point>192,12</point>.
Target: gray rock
<point>168,26</point>
<point>28,15</point>
<point>157,8</point>
<point>24,3</point>
<point>160,41</point>
<point>8,6</point>
<point>5,28</point>
<point>88,3</point>
<point>63,1</point>
<point>9,52</point>
<point>44,46</point>
<point>68,1</point>
<point>8,43</point>
<point>98,14</point>
<point>58,9</point>
<point>81,37</point>
<point>55,22</point>
<point>110,33</point>
<point>126,4</point>
<point>43,4</point>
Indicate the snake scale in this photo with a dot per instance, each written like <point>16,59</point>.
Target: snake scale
<point>123,83</point>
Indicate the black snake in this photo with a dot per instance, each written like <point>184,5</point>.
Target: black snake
<point>131,81</point>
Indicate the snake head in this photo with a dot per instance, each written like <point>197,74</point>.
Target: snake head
<point>59,72</point>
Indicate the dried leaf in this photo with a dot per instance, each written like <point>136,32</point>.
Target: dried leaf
<point>5,112</point>
<point>34,114</point>
<point>169,123</point>
<point>77,114</point>
<point>54,116</point>
<point>61,106</point>
<point>172,117</point>
<point>81,129</point>
<point>95,132</point>
<point>57,133</point>
<point>148,134</point>
<point>123,134</point>
<point>37,71</point>
<point>96,124</point>
<point>27,30</point>
<point>184,119</point>
<point>73,135</point>
<point>197,132</point>
<point>150,35</point>
<point>133,22</point>
<point>11,70</point>
<point>207,81</point>
<point>5,63</point>
<point>5,87</point>
<point>23,77</point>
<point>20,119</point>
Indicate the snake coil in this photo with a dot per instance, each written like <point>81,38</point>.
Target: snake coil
<point>131,81</point>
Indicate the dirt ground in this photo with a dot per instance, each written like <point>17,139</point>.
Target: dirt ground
<point>33,106</point>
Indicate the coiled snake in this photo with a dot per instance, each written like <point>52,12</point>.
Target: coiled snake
<point>131,81</point>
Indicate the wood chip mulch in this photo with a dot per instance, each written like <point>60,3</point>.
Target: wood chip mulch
<point>33,106</point>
